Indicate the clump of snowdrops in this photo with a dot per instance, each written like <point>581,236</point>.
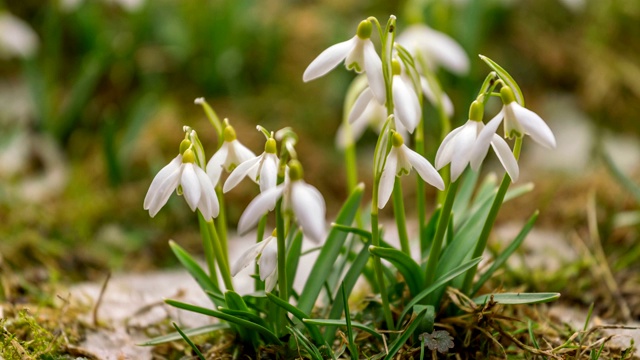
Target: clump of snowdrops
<point>408,286</point>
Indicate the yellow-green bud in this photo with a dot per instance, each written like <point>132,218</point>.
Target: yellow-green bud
<point>184,145</point>
<point>270,147</point>
<point>188,156</point>
<point>476,111</point>
<point>229,133</point>
<point>274,233</point>
<point>364,29</point>
<point>396,69</point>
<point>507,95</point>
<point>396,139</point>
<point>295,170</point>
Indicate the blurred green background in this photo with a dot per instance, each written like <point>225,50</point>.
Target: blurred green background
<point>95,107</point>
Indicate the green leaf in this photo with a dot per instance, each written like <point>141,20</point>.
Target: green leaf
<point>441,280</point>
<point>622,179</point>
<point>322,268</point>
<point>353,349</point>
<point>191,344</point>
<point>506,253</point>
<point>311,349</point>
<point>504,75</point>
<point>198,274</point>
<point>300,315</point>
<point>190,332</point>
<point>463,197</point>
<point>335,322</point>
<point>293,258</point>
<point>404,263</point>
<point>406,334</point>
<point>266,333</point>
<point>517,298</point>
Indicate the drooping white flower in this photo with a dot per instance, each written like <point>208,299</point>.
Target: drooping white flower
<point>231,154</point>
<point>518,121</point>
<point>267,250</point>
<point>304,200</point>
<point>399,162</point>
<point>262,169</point>
<point>458,147</point>
<point>184,175</point>
<point>17,38</point>
<point>428,92</point>
<point>435,47</point>
<point>405,99</point>
<point>358,54</point>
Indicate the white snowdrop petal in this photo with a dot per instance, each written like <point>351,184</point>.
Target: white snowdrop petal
<point>447,52</point>
<point>360,105</point>
<point>248,257</point>
<point>483,140</point>
<point>426,171</point>
<point>388,178</point>
<point>259,206</point>
<point>214,166</point>
<point>238,154</point>
<point>464,144</point>
<point>164,191</point>
<point>160,177</point>
<point>271,281</point>
<point>534,126</point>
<point>328,59</point>
<point>309,208</point>
<point>244,169</point>
<point>445,151</point>
<point>208,204</point>
<point>268,260</point>
<point>190,186</point>
<point>269,172</point>
<point>506,157</point>
<point>373,68</point>
<point>404,105</point>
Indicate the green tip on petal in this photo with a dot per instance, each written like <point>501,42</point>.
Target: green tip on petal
<point>270,146</point>
<point>507,95</point>
<point>274,233</point>
<point>396,139</point>
<point>184,145</point>
<point>365,28</point>
<point>295,170</point>
<point>396,69</point>
<point>229,133</point>
<point>188,156</point>
<point>476,111</point>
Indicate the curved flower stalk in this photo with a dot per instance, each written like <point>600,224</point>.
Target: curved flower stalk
<point>262,169</point>
<point>266,253</point>
<point>231,154</point>
<point>458,147</point>
<point>358,54</point>
<point>518,121</point>
<point>185,176</point>
<point>399,162</point>
<point>435,47</point>
<point>304,200</point>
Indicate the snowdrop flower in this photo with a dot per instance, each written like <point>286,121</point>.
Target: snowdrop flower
<point>399,162</point>
<point>447,104</point>
<point>435,47</point>
<point>261,169</point>
<point>304,200</point>
<point>17,38</point>
<point>406,103</point>
<point>267,250</point>
<point>458,147</point>
<point>518,121</point>
<point>229,156</point>
<point>183,175</point>
<point>358,54</point>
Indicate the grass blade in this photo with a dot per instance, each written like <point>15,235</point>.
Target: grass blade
<point>300,315</point>
<point>334,322</point>
<point>186,338</point>
<point>517,298</point>
<point>400,341</point>
<point>404,263</point>
<point>190,332</point>
<point>198,274</point>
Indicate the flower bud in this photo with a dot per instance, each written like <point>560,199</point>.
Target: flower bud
<point>396,139</point>
<point>184,145</point>
<point>295,170</point>
<point>396,69</point>
<point>188,156</point>
<point>229,133</point>
<point>270,146</point>
<point>476,111</point>
<point>364,29</point>
<point>507,95</point>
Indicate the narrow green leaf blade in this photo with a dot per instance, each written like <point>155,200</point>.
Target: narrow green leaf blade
<point>198,274</point>
<point>517,298</point>
<point>406,334</point>
<point>300,315</point>
<point>335,322</point>
<point>189,332</point>
<point>504,75</point>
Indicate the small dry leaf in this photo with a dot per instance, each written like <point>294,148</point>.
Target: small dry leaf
<point>438,340</point>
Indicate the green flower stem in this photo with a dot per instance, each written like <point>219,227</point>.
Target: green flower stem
<point>443,223</point>
<point>208,249</point>
<point>351,164</point>
<point>401,223</point>
<point>217,251</point>
<point>262,224</point>
<point>420,188</point>
<point>282,252</point>
<point>222,224</point>
<point>377,266</point>
<point>491,218</point>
